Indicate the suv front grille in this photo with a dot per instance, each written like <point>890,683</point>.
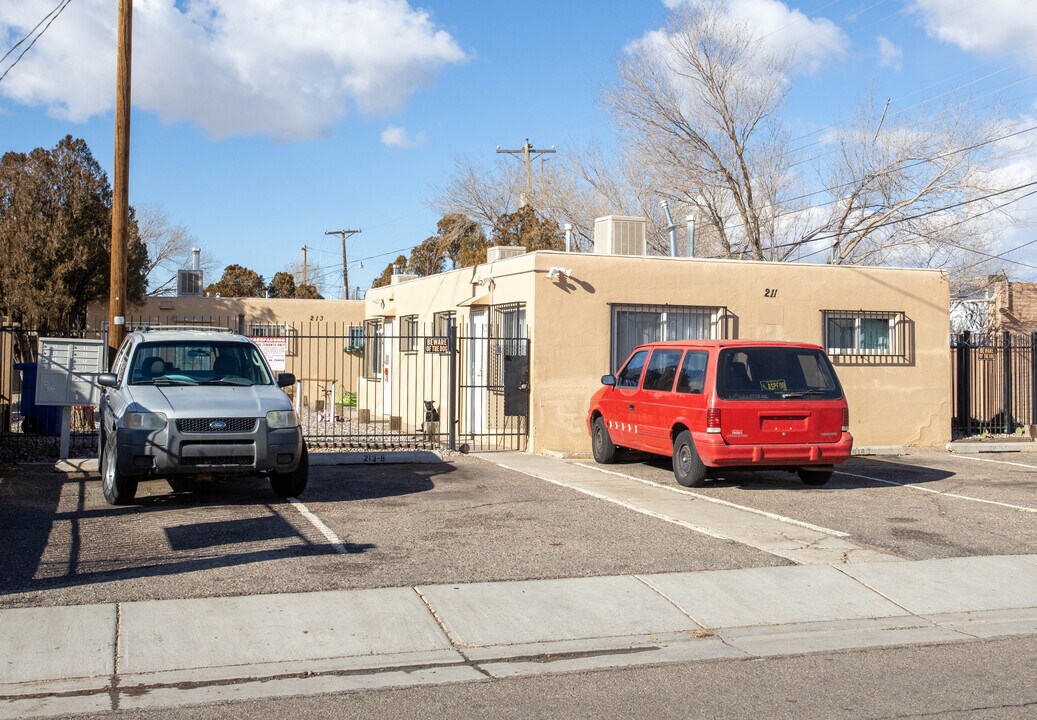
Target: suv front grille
<point>219,461</point>
<point>205,425</point>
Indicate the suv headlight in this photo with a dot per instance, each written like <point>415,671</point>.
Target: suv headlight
<point>146,420</point>
<point>277,419</point>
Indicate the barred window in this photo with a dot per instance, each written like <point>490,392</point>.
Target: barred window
<point>356,338</point>
<point>864,332</point>
<point>442,322</point>
<point>409,333</point>
<point>634,325</point>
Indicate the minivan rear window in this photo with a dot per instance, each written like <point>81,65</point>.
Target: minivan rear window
<point>775,373</point>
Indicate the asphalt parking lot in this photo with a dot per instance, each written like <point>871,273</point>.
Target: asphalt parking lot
<point>470,520</point>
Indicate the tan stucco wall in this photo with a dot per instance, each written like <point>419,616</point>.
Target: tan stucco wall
<point>570,319</point>
<point>220,310</point>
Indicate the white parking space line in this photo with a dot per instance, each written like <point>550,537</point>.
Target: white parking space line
<point>336,543</point>
<point>1021,508</point>
<point>999,462</point>
<point>707,498</point>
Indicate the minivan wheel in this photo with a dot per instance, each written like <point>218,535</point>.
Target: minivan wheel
<point>117,488</point>
<point>601,443</point>
<point>291,484</point>
<point>688,467</point>
<point>814,477</point>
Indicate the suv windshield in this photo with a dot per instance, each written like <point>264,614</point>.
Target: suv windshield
<point>198,362</point>
<point>775,373</point>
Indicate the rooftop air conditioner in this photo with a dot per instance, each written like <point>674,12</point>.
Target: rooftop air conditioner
<point>402,277</point>
<point>620,235</point>
<point>189,283</point>
<point>502,252</point>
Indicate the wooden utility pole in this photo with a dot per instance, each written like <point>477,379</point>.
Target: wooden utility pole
<point>530,153</point>
<point>345,267</point>
<point>303,264</point>
<point>121,191</point>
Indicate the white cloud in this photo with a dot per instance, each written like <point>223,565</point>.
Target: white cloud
<point>397,137</point>
<point>813,41</point>
<point>890,56</point>
<point>278,67</point>
<point>994,26</point>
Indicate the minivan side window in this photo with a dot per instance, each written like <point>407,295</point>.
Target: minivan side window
<point>662,369</point>
<point>630,376</point>
<point>692,376</point>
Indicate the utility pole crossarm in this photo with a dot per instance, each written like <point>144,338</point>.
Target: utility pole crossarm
<point>529,154</point>
<point>345,268</point>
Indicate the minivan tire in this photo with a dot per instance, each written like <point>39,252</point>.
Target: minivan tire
<point>601,443</point>
<point>815,478</point>
<point>292,484</point>
<point>117,488</point>
<point>688,467</point>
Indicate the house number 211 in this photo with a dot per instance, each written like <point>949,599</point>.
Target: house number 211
<point>770,292</point>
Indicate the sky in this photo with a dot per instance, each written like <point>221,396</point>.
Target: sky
<point>262,124</point>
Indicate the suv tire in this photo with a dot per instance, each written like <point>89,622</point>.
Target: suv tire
<point>601,443</point>
<point>688,467</point>
<point>117,488</point>
<point>816,478</point>
<point>292,484</point>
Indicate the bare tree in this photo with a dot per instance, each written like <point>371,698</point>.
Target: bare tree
<point>700,102</point>
<point>169,247</point>
<point>698,106</point>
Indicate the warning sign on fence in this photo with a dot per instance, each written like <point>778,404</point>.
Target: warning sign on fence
<point>274,349</point>
<point>436,345</point>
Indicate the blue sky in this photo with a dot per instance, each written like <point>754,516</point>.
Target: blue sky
<point>258,148</point>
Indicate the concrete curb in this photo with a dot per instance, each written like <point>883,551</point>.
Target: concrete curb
<point>878,450</point>
<point>375,457</point>
<point>170,653</point>
<point>974,448</point>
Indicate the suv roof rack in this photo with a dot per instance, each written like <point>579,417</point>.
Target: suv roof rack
<point>186,328</point>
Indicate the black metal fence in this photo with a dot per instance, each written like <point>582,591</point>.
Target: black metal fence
<point>994,382</point>
<point>357,387</point>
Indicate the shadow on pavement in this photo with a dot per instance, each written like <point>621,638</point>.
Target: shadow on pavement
<point>775,478</point>
<point>57,531</point>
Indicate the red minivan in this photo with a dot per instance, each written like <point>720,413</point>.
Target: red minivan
<point>747,404</point>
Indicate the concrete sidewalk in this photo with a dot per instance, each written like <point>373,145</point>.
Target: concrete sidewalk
<point>166,653</point>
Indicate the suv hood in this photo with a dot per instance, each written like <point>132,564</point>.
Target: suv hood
<point>193,401</point>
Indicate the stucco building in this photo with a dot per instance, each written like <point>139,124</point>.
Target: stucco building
<point>887,330</point>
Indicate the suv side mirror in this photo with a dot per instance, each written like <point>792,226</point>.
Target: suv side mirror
<point>609,380</point>
<point>285,380</point>
<point>108,380</point>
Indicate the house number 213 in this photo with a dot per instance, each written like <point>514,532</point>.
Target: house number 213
<point>770,292</point>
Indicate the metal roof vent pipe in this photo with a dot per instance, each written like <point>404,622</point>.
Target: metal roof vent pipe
<point>568,227</point>
<point>670,227</point>
<point>197,263</point>
<point>690,220</point>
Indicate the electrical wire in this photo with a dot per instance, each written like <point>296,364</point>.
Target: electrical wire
<point>53,16</point>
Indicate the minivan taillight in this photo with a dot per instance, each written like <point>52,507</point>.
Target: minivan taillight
<point>713,420</point>
<point>846,419</point>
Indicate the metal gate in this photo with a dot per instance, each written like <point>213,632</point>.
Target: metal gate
<point>383,386</point>
<point>376,386</point>
<point>994,382</point>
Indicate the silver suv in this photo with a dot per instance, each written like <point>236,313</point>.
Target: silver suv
<point>185,404</point>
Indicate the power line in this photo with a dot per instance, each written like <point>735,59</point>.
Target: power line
<point>53,16</point>
<point>929,212</point>
<point>29,34</point>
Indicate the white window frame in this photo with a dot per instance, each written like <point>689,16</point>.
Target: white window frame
<point>891,318</point>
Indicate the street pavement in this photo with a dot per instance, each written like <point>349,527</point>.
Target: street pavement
<point>822,591</point>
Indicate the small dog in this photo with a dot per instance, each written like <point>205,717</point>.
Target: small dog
<point>430,427</point>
